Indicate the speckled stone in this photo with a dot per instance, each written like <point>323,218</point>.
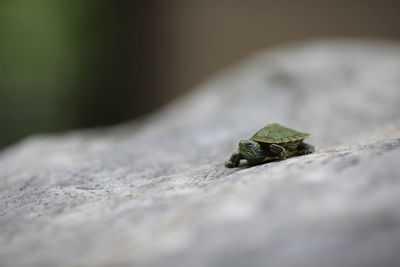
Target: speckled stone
<point>155,192</point>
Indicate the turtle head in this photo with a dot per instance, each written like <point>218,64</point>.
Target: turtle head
<point>250,149</point>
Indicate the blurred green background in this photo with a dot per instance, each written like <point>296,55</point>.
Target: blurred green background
<point>41,61</point>
<point>68,64</point>
<point>57,61</point>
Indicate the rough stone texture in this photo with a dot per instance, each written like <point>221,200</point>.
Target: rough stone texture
<point>154,192</point>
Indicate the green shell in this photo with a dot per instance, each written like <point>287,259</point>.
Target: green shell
<point>275,134</point>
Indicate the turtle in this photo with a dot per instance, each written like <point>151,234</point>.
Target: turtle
<point>273,142</point>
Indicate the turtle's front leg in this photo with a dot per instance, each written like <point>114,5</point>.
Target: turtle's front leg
<point>234,160</point>
<point>278,150</point>
<point>305,148</point>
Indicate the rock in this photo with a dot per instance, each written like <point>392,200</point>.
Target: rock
<point>154,192</point>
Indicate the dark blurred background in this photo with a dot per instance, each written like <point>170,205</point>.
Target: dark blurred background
<point>70,64</point>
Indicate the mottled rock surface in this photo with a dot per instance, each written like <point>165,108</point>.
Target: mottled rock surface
<point>154,192</point>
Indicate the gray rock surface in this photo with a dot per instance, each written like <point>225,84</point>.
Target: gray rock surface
<point>154,192</point>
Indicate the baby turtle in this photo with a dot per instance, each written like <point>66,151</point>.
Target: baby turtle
<point>273,142</point>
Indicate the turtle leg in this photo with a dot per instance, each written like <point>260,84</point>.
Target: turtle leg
<point>234,160</point>
<point>278,150</point>
<point>305,148</point>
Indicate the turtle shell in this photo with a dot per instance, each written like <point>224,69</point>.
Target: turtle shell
<point>275,134</point>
